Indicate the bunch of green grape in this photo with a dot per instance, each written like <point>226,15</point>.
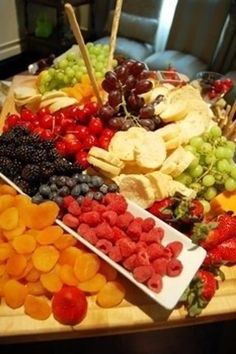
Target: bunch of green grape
<point>213,170</point>
<point>70,69</point>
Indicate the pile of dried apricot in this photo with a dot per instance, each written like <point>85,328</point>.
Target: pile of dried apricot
<point>38,260</point>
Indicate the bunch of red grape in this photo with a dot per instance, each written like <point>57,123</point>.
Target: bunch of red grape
<point>125,106</point>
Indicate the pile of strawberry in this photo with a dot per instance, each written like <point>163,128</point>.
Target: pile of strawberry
<point>133,242</point>
<point>217,234</point>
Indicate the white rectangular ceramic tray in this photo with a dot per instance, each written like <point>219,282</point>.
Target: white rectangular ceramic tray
<point>191,257</point>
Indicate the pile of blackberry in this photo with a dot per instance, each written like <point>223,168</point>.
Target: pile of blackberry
<point>30,161</point>
<point>79,185</point>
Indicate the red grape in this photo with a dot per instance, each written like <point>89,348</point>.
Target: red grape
<point>146,111</point>
<point>137,68</point>
<point>130,82</point>
<point>116,122</point>
<point>143,86</point>
<point>114,98</point>
<point>122,73</point>
<point>148,124</point>
<point>135,102</point>
<point>106,112</point>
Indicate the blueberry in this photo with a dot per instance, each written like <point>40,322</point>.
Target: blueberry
<point>53,187</point>
<point>89,195</point>
<point>52,195</point>
<point>59,200</point>
<point>44,190</point>
<point>98,196</point>
<point>97,181</point>
<point>53,179</point>
<point>113,187</point>
<point>76,191</point>
<point>37,198</point>
<point>76,177</point>
<point>84,188</point>
<point>103,188</point>
<point>61,181</point>
<point>80,199</point>
<point>84,178</point>
<point>63,191</point>
<point>70,182</point>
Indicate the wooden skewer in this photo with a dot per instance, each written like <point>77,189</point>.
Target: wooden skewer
<point>232,111</point>
<point>114,30</point>
<point>83,49</point>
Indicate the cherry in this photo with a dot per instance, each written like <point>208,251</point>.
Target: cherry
<point>72,144</point>
<point>108,132</point>
<point>27,115</point>
<point>5,128</point>
<point>82,115</point>
<point>43,111</point>
<point>81,132</point>
<point>12,120</point>
<point>38,131</point>
<point>90,141</point>
<point>104,141</point>
<point>61,147</point>
<point>92,107</point>
<point>36,123</point>
<point>95,126</point>
<point>47,134</point>
<point>82,158</point>
<point>46,121</point>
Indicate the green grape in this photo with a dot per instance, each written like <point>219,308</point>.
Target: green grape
<point>231,145</point>
<point>220,153</point>
<point>99,75</point>
<point>233,171</point>
<point>196,171</point>
<point>62,64</point>
<point>210,159</point>
<point>114,63</point>
<point>78,75</point>
<point>89,45</point>
<point>205,148</point>
<point>45,77</point>
<point>184,178</point>
<point>210,193</point>
<point>60,76</point>
<point>206,205</point>
<point>71,56</point>
<point>196,142</point>
<point>75,68</point>
<point>191,148</point>
<point>215,132</point>
<point>69,72</point>
<point>51,72</point>
<point>208,181</point>
<point>196,186</point>
<point>194,163</point>
<point>223,165</point>
<point>73,81</point>
<point>229,154</point>
<point>230,184</point>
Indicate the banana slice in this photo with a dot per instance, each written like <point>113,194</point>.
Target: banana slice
<point>168,132</point>
<point>48,101</point>
<point>62,102</point>
<point>104,166</point>
<point>53,94</point>
<point>160,183</point>
<point>24,92</point>
<point>106,156</point>
<point>136,188</point>
<point>174,111</point>
<point>177,162</point>
<point>151,151</point>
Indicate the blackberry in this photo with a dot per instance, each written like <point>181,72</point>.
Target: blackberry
<point>27,140</point>
<point>23,185</point>
<point>31,173</point>
<point>40,155</point>
<point>62,166</point>
<point>52,155</point>
<point>47,170</point>
<point>6,166</point>
<point>10,151</point>
<point>47,145</point>
<point>17,167</point>
<point>25,153</point>
<point>2,149</point>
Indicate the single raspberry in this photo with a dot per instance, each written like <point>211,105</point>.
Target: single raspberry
<point>148,224</point>
<point>86,205</point>
<point>143,273</point>
<point>100,208</point>
<point>74,208</point>
<point>110,198</point>
<point>124,220</point>
<point>142,258</point>
<point>104,245</point>
<point>155,283</point>
<point>110,216</point>
<point>167,254</point>
<point>115,202</point>
<point>92,218</point>
<point>155,250</point>
<point>130,262</point>
<point>90,236</point>
<point>175,248</point>
<point>115,254</point>
<point>140,246</point>
<point>127,247</point>
<point>70,221</point>
<point>104,230</point>
<point>160,265</point>
<point>68,200</point>
<point>134,230</point>
<point>155,235</point>
<point>82,229</point>
<point>118,233</point>
<point>174,268</point>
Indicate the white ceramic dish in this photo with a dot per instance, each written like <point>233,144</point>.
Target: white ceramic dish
<point>191,257</point>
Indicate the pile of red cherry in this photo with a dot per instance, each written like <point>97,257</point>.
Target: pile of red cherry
<point>213,89</point>
<point>73,129</point>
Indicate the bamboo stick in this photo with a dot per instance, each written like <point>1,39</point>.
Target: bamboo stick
<point>83,49</point>
<point>114,30</point>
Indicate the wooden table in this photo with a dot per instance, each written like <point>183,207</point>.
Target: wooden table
<point>137,311</point>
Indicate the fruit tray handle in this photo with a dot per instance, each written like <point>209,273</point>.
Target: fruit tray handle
<point>83,49</point>
<point>114,30</point>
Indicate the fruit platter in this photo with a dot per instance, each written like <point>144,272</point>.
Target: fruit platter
<point>117,199</point>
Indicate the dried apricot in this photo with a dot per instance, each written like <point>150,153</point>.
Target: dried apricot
<point>64,241</point>
<point>44,258</point>
<point>33,275</point>
<point>24,244</point>
<point>3,279</point>
<point>49,235</point>
<point>2,269</point>
<point>111,294</point>
<point>14,293</point>
<point>6,201</point>
<point>6,251</point>
<point>86,266</point>
<point>93,285</point>
<point>51,282</point>
<point>36,288</point>
<point>28,268</point>
<point>6,189</point>
<point>43,215</point>
<point>67,275</point>
<point>16,265</point>
<point>19,230</point>
<point>108,271</point>
<point>69,255</point>
<point>9,219</point>
<point>37,307</point>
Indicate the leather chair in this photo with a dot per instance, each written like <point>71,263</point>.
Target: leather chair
<point>137,28</point>
<point>193,37</point>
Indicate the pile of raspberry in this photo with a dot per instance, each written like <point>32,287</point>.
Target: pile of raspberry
<point>133,242</point>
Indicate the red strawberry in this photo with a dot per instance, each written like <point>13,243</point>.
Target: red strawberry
<point>189,211</point>
<point>200,291</point>
<point>162,209</point>
<point>224,253</point>
<point>69,305</point>
<point>212,234</point>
